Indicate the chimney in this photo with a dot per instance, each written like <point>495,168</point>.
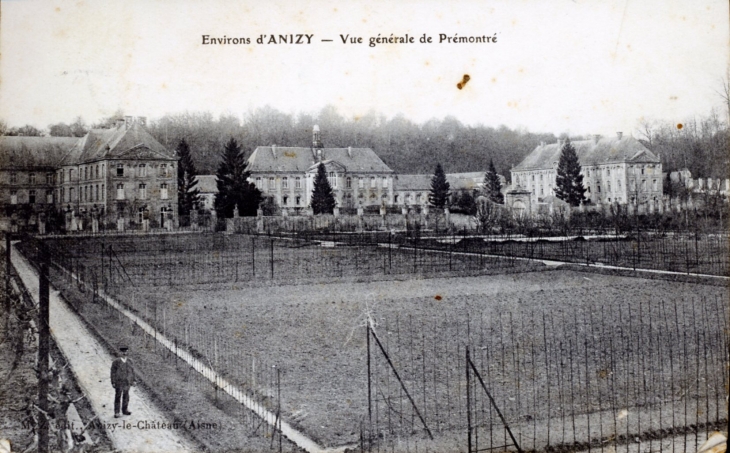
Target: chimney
<point>349,151</point>
<point>273,150</point>
<point>619,135</point>
<point>142,120</point>
<point>128,121</point>
<point>596,137</point>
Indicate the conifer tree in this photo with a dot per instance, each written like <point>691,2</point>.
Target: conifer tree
<point>439,195</point>
<point>569,181</point>
<point>492,185</point>
<point>234,189</point>
<point>188,194</point>
<point>323,200</point>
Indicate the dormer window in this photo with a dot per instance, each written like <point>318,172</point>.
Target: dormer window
<point>120,170</point>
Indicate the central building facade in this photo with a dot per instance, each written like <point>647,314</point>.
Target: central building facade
<point>286,174</point>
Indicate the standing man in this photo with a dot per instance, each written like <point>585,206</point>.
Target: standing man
<point>122,379</point>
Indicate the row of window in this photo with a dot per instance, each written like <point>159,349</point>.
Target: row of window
<point>331,177</point>
<point>86,194</point>
<point>141,170</point>
<point>285,201</point>
<point>31,178</point>
<point>411,198</point>
<point>32,197</point>
<point>142,192</point>
<point>96,193</point>
<point>94,171</point>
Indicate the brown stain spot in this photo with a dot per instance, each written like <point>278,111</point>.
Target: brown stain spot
<point>680,126</point>
<point>673,98</point>
<point>463,82</point>
<point>290,154</point>
<point>438,297</point>
<point>58,10</point>
<point>427,63</point>
<point>494,80</point>
<point>163,86</point>
<point>522,70</point>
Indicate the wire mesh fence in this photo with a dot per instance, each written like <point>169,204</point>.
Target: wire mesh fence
<point>640,371</point>
<point>652,373</point>
<point>255,260</point>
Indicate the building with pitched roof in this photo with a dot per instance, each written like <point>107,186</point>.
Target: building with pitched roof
<point>286,174</point>
<point>27,170</point>
<point>207,190</point>
<point>615,170</point>
<point>413,190</point>
<point>107,175</point>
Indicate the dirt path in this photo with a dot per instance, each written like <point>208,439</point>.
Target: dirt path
<point>140,432</point>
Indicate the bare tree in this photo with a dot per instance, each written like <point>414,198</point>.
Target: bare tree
<point>724,93</point>
<point>487,214</point>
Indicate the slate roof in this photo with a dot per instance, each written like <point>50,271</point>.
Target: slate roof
<point>207,183</point>
<point>606,151</point>
<point>457,181</point>
<point>132,142</point>
<point>413,182</point>
<point>300,159</point>
<point>33,152</point>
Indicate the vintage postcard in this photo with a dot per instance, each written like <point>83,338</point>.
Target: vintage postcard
<point>435,226</point>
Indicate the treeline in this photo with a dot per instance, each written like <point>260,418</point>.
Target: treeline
<point>405,146</point>
<point>700,144</point>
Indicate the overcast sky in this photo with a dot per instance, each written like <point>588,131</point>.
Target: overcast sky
<point>558,66</point>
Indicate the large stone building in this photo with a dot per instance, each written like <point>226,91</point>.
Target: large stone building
<point>27,176</point>
<point>615,170</point>
<point>286,174</point>
<point>112,177</point>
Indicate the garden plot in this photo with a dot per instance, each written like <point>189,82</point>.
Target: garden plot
<point>553,347</point>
